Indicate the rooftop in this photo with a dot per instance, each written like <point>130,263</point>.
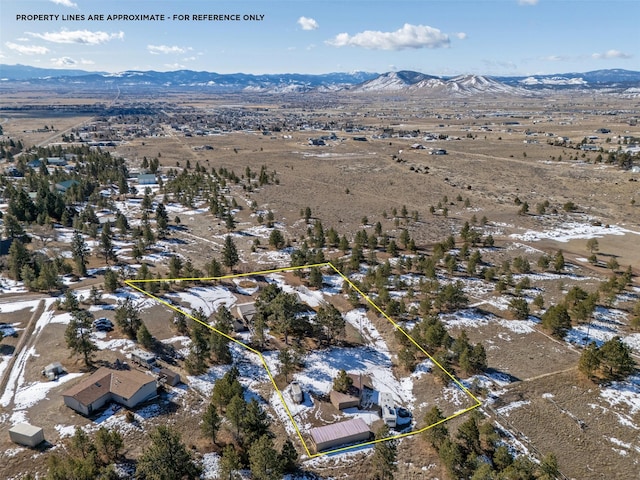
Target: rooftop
<point>124,383</point>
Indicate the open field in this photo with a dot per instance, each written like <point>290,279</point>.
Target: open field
<point>531,387</point>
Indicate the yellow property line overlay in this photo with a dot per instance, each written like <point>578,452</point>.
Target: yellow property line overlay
<point>131,283</point>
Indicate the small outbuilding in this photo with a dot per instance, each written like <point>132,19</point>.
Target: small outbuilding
<point>296,392</point>
<point>341,433</point>
<point>247,311</point>
<point>147,179</point>
<point>26,434</point>
<point>168,377</point>
<point>53,370</point>
<point>343,400</point>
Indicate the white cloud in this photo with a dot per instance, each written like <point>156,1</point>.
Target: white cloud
<point>84,37</point>
<point>27,49</point>
<point>527,2</point>
<point>555,58</point>
<point>69,62</point>
<point>158,49</point>
<point>461,35</point>
<point>409,36</point>
<point>174,66</point>
<point>65,3</point>
<point>308,23</point>
<point>611,54</point>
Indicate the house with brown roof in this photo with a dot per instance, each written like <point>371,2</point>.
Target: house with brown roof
<point>360,391</point>
<point>126,387</point>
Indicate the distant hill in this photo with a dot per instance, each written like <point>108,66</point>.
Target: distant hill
<point>464,85</point>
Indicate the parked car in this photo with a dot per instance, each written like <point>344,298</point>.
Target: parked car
<point>103,324</point>
<point>403,412</point>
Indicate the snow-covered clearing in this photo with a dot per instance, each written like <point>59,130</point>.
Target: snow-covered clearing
<point>19,305</point>
<point>571,231</point>
<point>506,410</point>
<point>624,394</point>
<point>209,299</point>
<point>313,298</point>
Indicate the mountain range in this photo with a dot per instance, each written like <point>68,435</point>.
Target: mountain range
<point>612,81</point>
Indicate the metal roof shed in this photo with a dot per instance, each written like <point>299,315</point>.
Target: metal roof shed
<point>341,433</point>
<point>26,434</point>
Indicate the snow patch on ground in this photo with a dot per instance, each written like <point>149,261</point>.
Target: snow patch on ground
<point>28,395</point>
<point>570,231</point>
<point>19,305</point>
<point>210,465</point>
<point>313,298</point>
<point>625,393</point>
<point>518,326</point>
<point>506,410</point>
<point>209,299</point>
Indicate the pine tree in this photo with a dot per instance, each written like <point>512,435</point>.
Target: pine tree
<point>235,413</point>
<point>331,321</point>
<point>264,460</point>
<point>519,308</point>
<point>255,422</point>
<point>167,458</point>
<point>344,244</point>
<point>199,350</point>
<point>211,422</point>
<point>438,433</point>
<point>556,320</point>
<point>288,457</point>
<point>384,456</point>
<point>18,258</point>
<point>77,335</point>
<point>286,363</point>
<point>616,358</point>
<point>128,317</point>
<point>106,244</point>
<point>558,262</point>
<point>342,383</point>
<point>276,239</point>
<point>230,256</point>
<point>225,388</point>
<point>110,281</point>
<point>315,278</point>
<point>214,269</point>
<point>145,339</point>
<point>162,220</point>
<point>109,444</point>
<point>80,251</point>
<point>229,464</point>
<point>219,343</point>
<point>469,434</point>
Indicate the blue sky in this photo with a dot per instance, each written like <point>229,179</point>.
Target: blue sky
<point>493,37</point>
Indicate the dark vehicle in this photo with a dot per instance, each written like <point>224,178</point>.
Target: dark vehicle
<point>103,324</point>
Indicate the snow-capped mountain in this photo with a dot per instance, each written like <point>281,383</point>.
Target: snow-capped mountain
<point>478,84</point>
<point>614,81</point>
<point>553,81</point>
<point>392,81</point>
<point>462,85</point>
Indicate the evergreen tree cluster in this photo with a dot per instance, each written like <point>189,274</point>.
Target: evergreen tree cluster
<point>611,361</point>
<point>477,452</point>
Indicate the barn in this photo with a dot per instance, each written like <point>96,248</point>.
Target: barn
<point>341,433</point>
